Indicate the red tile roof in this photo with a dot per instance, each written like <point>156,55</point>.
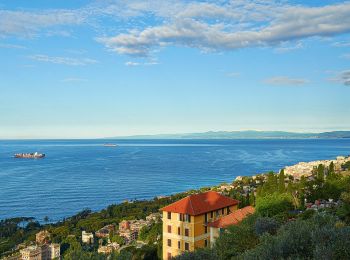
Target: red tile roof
<point>233,218</point>
<point>201,203</point>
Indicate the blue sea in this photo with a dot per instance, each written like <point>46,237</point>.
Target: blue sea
<point>79,174</point>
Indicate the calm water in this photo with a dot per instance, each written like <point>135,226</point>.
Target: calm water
<point>77,174</point>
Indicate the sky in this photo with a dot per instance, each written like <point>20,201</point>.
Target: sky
<point>86,69</point>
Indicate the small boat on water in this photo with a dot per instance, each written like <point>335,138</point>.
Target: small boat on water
<point>110,145</point>
<point>30,155</point>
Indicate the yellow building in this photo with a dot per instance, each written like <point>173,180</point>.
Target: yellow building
<point>185,222</point>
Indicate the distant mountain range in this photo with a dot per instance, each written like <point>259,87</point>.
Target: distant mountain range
<point>244,135</point>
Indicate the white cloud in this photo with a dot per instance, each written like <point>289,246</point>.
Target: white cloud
<point>290,23</point>
<point>285,81</point>
<point>342,77</point>
<point>63,60</point>
<point>206,25</point>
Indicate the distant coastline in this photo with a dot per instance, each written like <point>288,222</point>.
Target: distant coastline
<point>250,134</point>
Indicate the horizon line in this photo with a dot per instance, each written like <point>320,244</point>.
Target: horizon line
<point>165,134</point>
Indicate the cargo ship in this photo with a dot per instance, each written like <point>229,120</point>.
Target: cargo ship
<point>30,155</point>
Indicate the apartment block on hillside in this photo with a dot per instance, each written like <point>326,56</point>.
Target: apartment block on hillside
<point>185,222</point>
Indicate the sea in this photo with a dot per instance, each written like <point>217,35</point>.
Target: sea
<point>80,174</point>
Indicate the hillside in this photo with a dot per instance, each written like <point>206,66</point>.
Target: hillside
<point>251,134</point>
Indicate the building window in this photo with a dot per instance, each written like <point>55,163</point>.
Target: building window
<point>169,242</point>
<point>169,215</point>
<point>188,218</point>
<point>228,210</point>
<point>179,245</point>
<point>169,256</point>
<point>205,218</point>
<point>178,231</point>
<point>187,232</point>
<point>223,211</point>
<point>205,229</point>
<point>169,229</point>
<point>205,243</point>
<point>181,217</point>
<point>217,213</point>
<point>211,214</point>
<point>187,246</point>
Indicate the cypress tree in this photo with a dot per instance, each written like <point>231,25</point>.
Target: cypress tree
<point>281,180</point>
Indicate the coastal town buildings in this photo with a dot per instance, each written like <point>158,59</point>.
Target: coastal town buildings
<point>153,217</point>
<point>42,237</point>
<point>105,231</point>
<point>185,222</point>
<point>39,252</point>
<point>87,237</point>
<point>306,168</point>
<point>50,251</point>
<point>126,232</point>
<point>31,253</point>
<point>108,249</point>
<point>129,229</point>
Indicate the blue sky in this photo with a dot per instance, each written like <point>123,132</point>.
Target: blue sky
<point>100,68</point>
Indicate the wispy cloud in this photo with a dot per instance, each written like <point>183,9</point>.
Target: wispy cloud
<point>146,63</point>
<point>132,64</point>
<point>11,46</point>
<point>233,74</point>
<point>25,23</point>
<point>287,47</point>
<point>285,81</point>
<point>346,56</point>
<point>342,44</point>
<point>63,60</point>
<point>342,77</point>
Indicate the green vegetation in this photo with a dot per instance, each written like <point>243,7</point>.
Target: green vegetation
<point>151,234</point>
<point>274,204</point>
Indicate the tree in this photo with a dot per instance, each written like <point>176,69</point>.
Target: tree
<point>200,254</point>
<point>320,172</point>
<point>266,225</point>
<point>344,210</point>
<point>118,239</point>
<point>237,239</point>
<point>332,243</point>
<point>46,219</point>
<point>331,168</point>
<point>251,199</point>
<point>293,241</point>
<point>281,181</point>
<point>274,204</point>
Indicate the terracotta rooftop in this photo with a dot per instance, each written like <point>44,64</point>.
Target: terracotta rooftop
<point>233,218</point>
<point>201,203</point>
